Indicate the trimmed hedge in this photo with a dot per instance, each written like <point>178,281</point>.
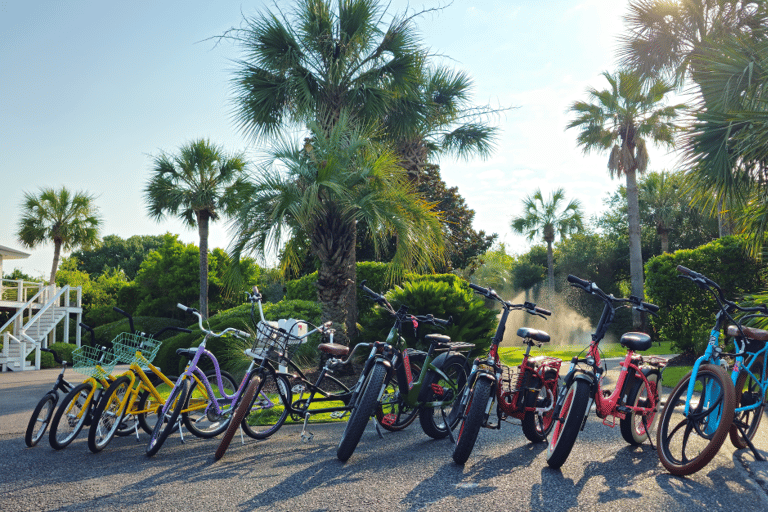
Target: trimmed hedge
<point>63,350</point>
<point>688,313</point>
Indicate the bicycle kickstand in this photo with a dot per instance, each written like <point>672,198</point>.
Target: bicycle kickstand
<point>445,422</point>
<point>378,430</point>
<point>758,455</point>
<point>306,437</point>
<point>181,431</point>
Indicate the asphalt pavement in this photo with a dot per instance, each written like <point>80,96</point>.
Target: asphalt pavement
<point>397,471</point>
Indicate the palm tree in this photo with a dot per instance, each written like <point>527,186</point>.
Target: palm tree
<point>660,192</point>
<point>323,58</point>
<point>197,185</point>
<point>67,219</point>
<point>618,120</point>
<point>548,219</point>
<point>665,36</point>
<point>319,190</point>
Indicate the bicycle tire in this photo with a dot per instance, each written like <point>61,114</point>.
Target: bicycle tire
<point>431,418</point>
<point>74,410</point>
<point>392,413</point>
<point>361,412</point>
<point>108,414</point>
<point>712,411</point>
<point>206,423</point>
<point>166,423</point>
<point>265,417</point>
<point>40,419</point>
<point>470,428</point>
<point>568,423</point>
<point>634,426</point>
<point>536,427</point>
<point>146,402</point>
<point>748,420</point>
<point>238,416</point>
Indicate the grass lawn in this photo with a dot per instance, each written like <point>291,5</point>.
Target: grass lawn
<point>514,355</point>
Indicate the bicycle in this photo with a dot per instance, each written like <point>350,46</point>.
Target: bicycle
<point>526,393</point>
<point>706,405</point>
<point>43,412</point>
<point>428,392</point>
<point>274,377</point>
<point>133,394</point>
<point>633,402</point>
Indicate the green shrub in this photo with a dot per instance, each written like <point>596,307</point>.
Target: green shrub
<point>63,350</point>
<point>443,296</point>
<point>688,313</point>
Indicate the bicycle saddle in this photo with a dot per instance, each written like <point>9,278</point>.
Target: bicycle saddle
<point>749,332</point>
<point>189,353</point>
<point>334,349</point>
<point>637,341</point>
<point>534,334</point>
<point>438,340</point>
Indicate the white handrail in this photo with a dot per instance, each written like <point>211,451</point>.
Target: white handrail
<point>21,310</point>
<point>43,310</point>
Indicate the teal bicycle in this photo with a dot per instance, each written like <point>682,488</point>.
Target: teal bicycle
<point>706,405</point>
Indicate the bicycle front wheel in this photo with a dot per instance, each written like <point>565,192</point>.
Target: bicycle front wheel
<point>108,414</point>
<point>41,418</point>
<point>166,423</point>
<point>200,416</point>
<point>635,426</point>
<point>268,409</point>
<point>748,393</point>
<point>476,410</point>
<point>149,407</point>
<point>686,443</point>
<point>568,423</point>
<point>438,421</point>
<point>361,412</point>
<point>70,416</point>
<point>238,415</point>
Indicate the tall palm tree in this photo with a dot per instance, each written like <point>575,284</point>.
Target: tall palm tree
<point>197,185</point>
<point>547,220</point>
<point>67,219</point>
<point>660,192</point>
<point>320,190</point>
<point>665,36</point>
<point>323,57</point>
<point>618,120</point>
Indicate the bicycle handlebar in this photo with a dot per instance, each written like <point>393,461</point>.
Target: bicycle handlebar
<point>528,307</point>
<point>208,332</point>
<point>56,357</point>
<point>704,282</point>
<point>591,287</point>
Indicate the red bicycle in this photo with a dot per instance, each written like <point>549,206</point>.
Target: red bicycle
<point>635,400</point>
<point>526,393</point>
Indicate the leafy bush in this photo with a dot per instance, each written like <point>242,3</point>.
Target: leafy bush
<point>687,313</point>
<point>63,350</point>
<point>444,296</point>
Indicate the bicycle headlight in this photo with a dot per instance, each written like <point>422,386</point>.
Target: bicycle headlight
<point>590,360</point>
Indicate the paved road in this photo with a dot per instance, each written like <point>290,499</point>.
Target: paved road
<point>402,471</point>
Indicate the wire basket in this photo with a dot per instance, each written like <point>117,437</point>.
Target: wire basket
<point>126,345</point>
<point>275,340</point>
<point>94,362</point>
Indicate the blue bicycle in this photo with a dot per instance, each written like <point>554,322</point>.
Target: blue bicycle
<point>706,405</point>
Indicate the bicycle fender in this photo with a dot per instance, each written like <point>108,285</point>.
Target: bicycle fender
<point>589,379</point>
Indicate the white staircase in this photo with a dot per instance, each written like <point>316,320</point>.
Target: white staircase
<point>43,312</point>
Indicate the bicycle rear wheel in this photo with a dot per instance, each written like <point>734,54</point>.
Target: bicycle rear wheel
<point>635,426</point>
<point>203,421</point>
<point>40,419</point>
<point>536,426</point>
<point>268,408</point>
<point>568,423</point>
<point>361,412</point>
<point>686,444</point>
<point>152,407</point>
<point>470,428</point>
<point>166,423</point>
<point>70,416</point>
<point>108,414</point>
<point>748,393</point>
<point>392,413</point>
<point>431,418</point>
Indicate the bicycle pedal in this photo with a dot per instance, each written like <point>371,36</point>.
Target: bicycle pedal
<point>306,437</point>
<point>337,415</point>
<point>297,389</point>
<point>438,390</point>
<point>624,409</point>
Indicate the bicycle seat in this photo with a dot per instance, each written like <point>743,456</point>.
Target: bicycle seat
<point>438,340</point>
<point>334,349</point>
<point>189,353</point>
<point>749,332</point>
<point>534,334</point>
<point>637,341</point>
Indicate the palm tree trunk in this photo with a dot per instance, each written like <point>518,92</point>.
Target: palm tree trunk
<point>550,270</point>
<point>664,235</point>
<point>56,256</point>
<point>202,229</point>
<point>635,249</point>
<point>351,266</point>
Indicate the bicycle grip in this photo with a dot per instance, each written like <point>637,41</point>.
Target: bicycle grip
<point>118,310</point>
<point>653,308</point>
<point>478,289</point>
<point>542,311</point>
<point>185,308</point>
<point>578,281</point>
<point>242,334</point>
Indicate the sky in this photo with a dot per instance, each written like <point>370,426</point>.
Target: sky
<point>91,91</point>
